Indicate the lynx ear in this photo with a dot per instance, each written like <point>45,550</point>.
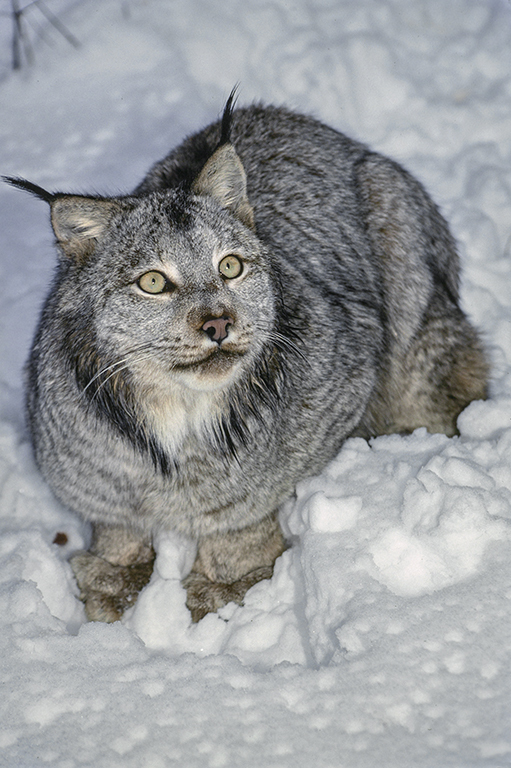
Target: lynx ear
<point>78,222</point>
<point>223,178</point>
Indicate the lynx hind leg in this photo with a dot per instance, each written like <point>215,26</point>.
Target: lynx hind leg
<point>111,574</point>
<point>443,371</point>
<point>431,382</point>
<point>435,364</point>
<point>228,564</point>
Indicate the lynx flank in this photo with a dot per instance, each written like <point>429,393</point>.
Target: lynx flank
<point>269,289</point>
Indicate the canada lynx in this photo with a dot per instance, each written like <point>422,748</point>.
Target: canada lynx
<point>269,289</point>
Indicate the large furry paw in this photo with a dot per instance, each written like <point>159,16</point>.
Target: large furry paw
<point>205,596</point>
<point>108,590</point>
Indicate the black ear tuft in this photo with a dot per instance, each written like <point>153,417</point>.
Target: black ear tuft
<point>78,221</point>
<point>223,176</point>
<point>27,186</point>
<point>225,135</point>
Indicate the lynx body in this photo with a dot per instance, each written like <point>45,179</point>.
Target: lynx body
<point>269,289</point>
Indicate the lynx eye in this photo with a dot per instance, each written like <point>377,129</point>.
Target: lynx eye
<point>153,282</point>
<point>230,266</point>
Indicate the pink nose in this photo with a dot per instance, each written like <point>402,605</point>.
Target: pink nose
<point>217,328</point>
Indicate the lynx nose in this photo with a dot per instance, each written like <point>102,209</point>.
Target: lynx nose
<point>217,328</point>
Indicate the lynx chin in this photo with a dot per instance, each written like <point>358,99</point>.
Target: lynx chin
<point>269,289</point>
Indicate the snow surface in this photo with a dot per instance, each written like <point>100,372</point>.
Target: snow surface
<point>383,637</point>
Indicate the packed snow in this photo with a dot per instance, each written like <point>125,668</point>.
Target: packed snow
<point>383,636</point>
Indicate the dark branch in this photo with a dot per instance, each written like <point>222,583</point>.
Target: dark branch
<point>55,21</point>
<point>20,40</point>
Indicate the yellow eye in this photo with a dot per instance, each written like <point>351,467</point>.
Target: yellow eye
<point>153,282</point>
<point>230,266</point>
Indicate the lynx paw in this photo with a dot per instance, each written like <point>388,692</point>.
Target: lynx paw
<point>205,596</point>
<point>108,590</point>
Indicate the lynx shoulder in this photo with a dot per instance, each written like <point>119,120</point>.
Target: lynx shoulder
<point>269,289</point>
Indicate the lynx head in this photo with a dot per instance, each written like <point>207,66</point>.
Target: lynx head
<point>165,296</point>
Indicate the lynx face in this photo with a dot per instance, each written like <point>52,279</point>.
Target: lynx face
<point>185,297</point>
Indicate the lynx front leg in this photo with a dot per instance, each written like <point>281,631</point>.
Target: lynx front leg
<point>112,573</point>
<point>228,564</point>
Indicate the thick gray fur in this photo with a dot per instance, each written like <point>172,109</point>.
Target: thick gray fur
<point>345,320</point>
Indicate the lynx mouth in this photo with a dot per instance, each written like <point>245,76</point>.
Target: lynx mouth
<point>217,361</point>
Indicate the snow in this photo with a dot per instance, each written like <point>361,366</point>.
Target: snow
<point>383,637</point>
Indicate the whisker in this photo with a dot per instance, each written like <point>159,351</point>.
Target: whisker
<point>132,354</point>
<point>104,370</point>
<point>103,383</point>
<point>286,343</point>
